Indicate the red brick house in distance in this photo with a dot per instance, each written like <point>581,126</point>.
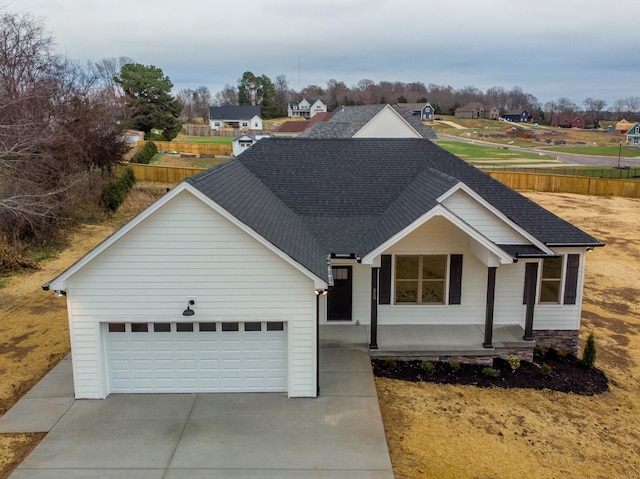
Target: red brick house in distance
<point>567,120</point>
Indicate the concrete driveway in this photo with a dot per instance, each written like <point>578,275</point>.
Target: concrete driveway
<point>339,434</point>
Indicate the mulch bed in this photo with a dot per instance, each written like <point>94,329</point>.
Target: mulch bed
<point>566,373</point>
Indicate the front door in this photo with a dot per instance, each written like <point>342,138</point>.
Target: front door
<point>339,298</point>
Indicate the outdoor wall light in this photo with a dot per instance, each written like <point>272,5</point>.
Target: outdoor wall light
<point>189,311</point>
<point>58,293</point>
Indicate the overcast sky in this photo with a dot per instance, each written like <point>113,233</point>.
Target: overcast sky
<point>550,48</point>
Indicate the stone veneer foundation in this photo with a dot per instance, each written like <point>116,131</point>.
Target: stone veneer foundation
<point>566,340</point>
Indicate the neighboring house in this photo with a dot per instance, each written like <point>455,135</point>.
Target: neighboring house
<point>242,143</point>
<point>371,121</point>
<point>476,109</point>
<point>517,116</point>
<point>294,128</point>
<point>305,108</point>
<point>235,117</point>
<point>220,285</point>
<point>422,110</point>
<point>567,120</point>
<point>633,135</point>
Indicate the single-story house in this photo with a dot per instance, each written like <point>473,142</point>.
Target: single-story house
<point>567,120</point>
<point>371,121</point>
<point>221,285</point>
<point>242,143</point>
<point>294,128</point>
<point>517,116</point>
<point>305,108</point>
<point>475,109</point>
<point>424,111</point>
<point>633,135</point>
<point>237,117</point>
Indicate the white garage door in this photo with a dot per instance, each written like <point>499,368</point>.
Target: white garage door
<point>197,357</point>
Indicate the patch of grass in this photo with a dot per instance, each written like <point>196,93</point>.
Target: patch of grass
<point>217,140</point>
<point>473,151</point>
<point>605,150</point>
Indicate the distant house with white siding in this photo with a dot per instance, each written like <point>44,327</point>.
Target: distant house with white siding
<point>235,117</point>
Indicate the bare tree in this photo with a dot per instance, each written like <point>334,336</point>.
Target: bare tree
<point>594,107</point>
<point>56,127</point>
<point>227,96</point>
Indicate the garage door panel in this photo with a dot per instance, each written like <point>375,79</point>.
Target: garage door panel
<point>207,361</point>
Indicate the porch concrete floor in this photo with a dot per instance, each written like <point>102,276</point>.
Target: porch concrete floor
<point>425,340</point>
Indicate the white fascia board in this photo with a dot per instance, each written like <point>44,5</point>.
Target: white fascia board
<point>499,214</point>
<point>60,282</point>
<point>440,210</point>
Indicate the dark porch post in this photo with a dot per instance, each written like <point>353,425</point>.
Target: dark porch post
<point>488,318</point>
<point>530,281</point>
<point>374,308</point>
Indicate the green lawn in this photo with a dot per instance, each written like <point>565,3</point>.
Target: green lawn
<point>606,150</point>
<point>471,152</point>
<point>218,140</point>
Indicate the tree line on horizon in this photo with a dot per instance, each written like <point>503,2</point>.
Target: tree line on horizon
<point>274,96</point>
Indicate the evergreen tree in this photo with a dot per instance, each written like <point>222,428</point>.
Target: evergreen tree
<point>148,94</point>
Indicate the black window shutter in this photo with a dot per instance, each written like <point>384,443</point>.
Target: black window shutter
<point>571,280</point>
<point>455,279</point>
<point>384,285</point>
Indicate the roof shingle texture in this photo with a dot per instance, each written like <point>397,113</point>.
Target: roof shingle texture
<point>314,197</point>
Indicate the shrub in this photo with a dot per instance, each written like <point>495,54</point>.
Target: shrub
<point>589,352</point>
<point>540,350</point>
<point>514,362</point>
<point>116,191</point>
<point>561,353</point>
<point>112,196</point>
<point>389,361</point>
<point>427,366</point>
<point>145,154</point>
<point>455,366</point>
<point>546,369</point>
<point>490,372</point>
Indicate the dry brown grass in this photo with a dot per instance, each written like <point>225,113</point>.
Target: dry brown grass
<point>462,432</point>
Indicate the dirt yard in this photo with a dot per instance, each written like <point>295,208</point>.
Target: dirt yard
<point>444,431</point>
<point>434,431</point>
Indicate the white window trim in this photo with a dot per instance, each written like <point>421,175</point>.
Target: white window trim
<point>563,276</point>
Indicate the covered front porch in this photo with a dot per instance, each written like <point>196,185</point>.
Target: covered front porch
<point>463,343</point>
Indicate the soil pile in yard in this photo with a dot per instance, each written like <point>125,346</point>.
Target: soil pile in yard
<point>549,370</point>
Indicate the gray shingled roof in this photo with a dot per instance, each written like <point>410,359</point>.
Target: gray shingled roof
<point>348,120</point>
<point>314,197</point>
<point>233,112</point>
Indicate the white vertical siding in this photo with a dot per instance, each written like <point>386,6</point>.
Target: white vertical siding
<point>186,250</point>
<point>482,219</point>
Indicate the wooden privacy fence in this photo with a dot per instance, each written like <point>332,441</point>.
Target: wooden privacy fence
<point>568,184</point>
<point>160,174</point>
<point>518,181</point>
<point>193,148</point>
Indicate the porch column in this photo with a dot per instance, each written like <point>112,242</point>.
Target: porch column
<point>488,317</point>
<point>530,281</point>
<point>374,308</point>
